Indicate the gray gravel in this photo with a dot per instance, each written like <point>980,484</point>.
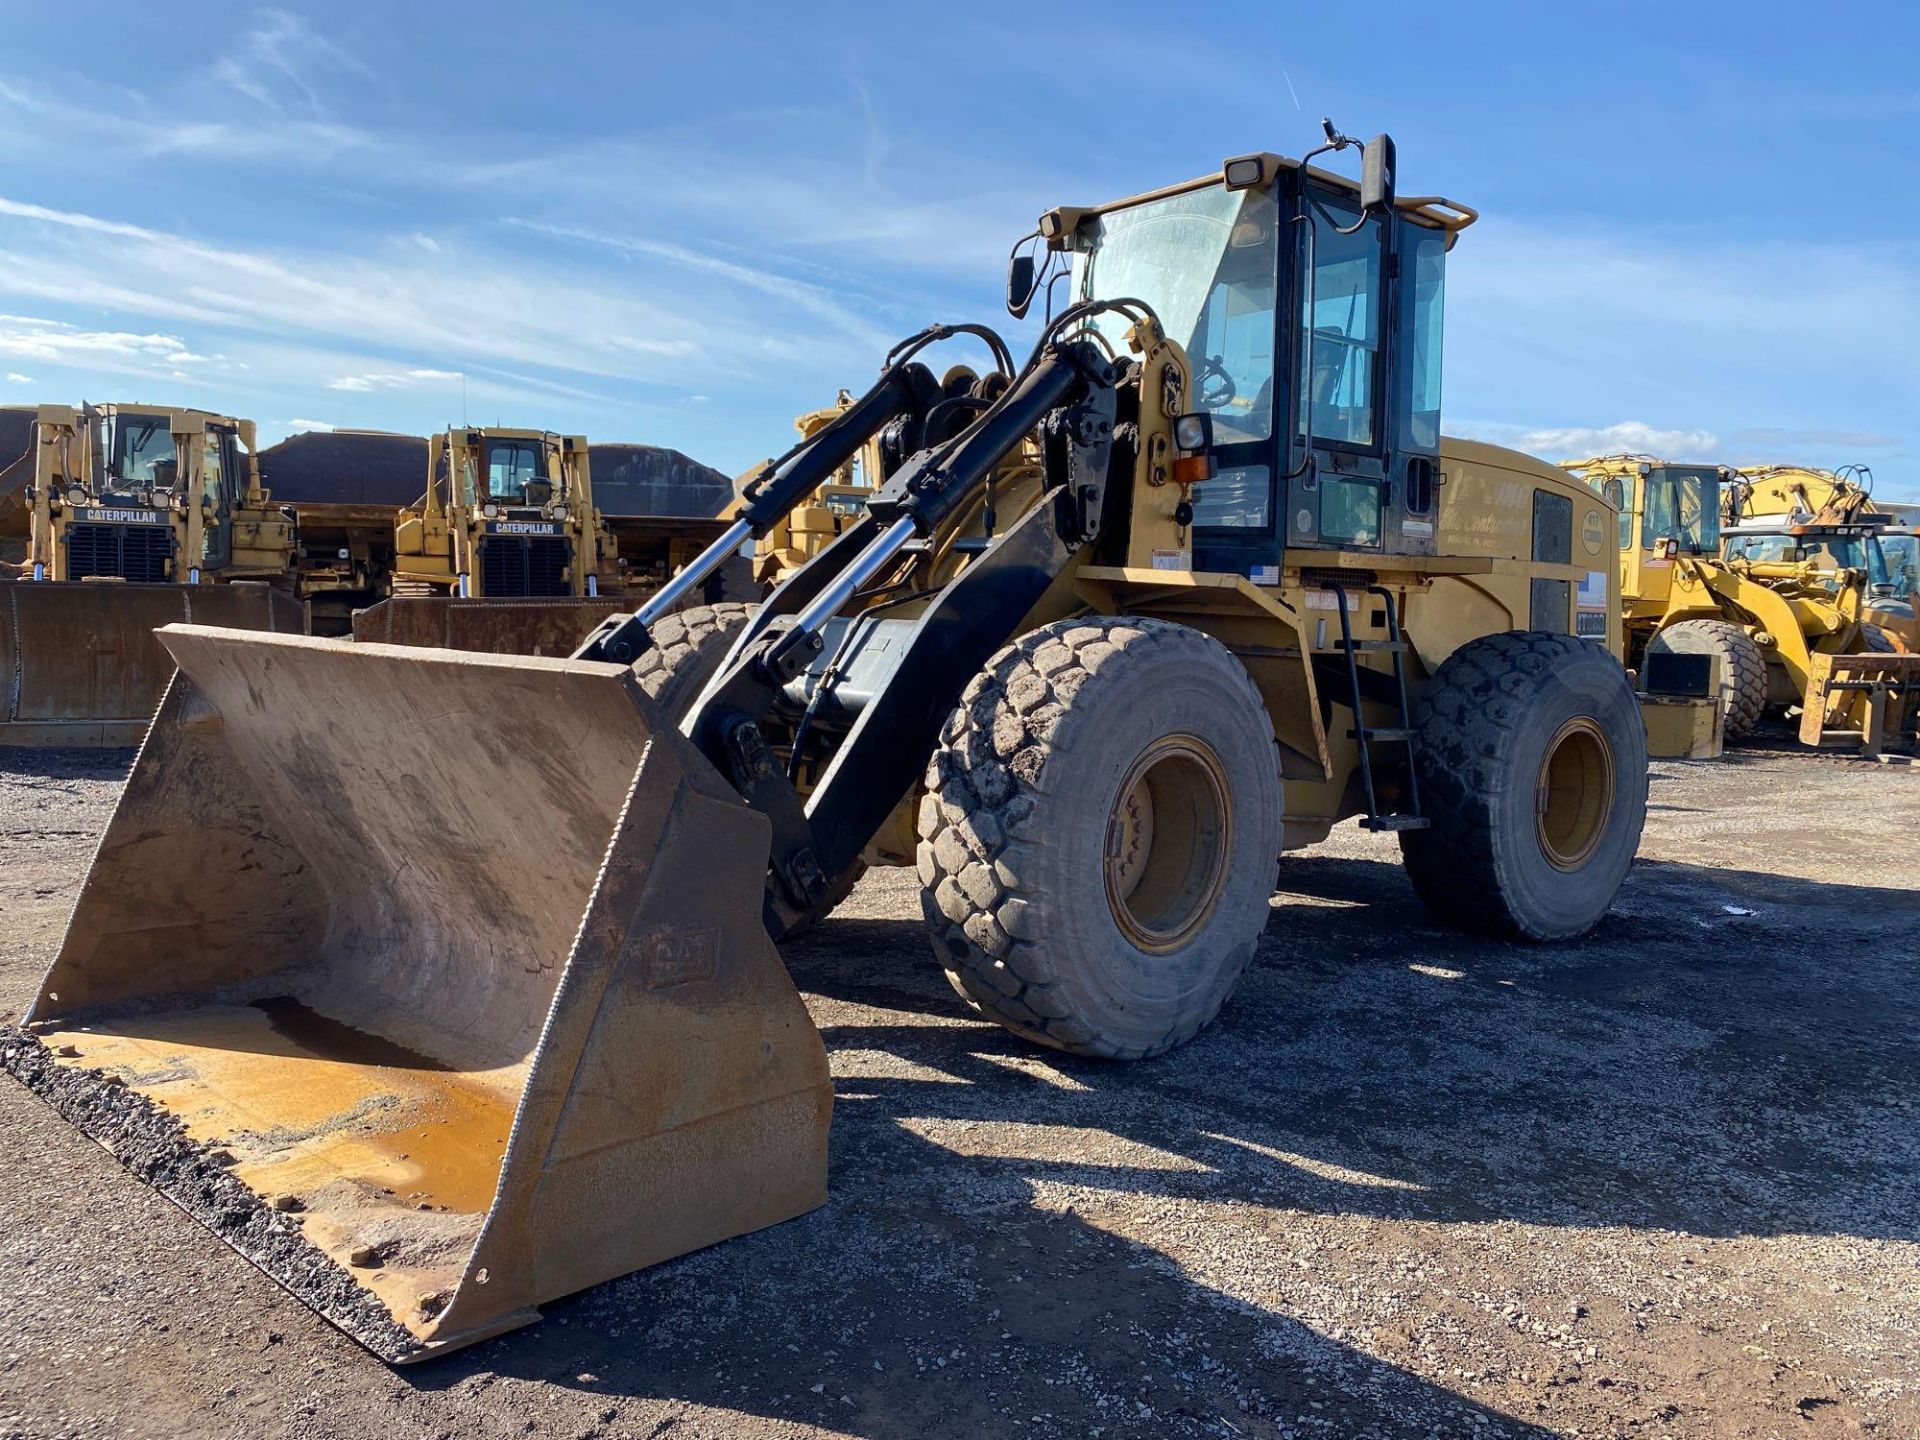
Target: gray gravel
<point>1660,1182</point>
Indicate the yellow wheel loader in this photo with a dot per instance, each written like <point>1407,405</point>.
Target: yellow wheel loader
<point>1782,609</point>
<point>439,1039</point>
<point>138,516</point>
<point>1834,522</point>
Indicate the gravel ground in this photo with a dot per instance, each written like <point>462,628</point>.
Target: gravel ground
<point>1662,1182</point>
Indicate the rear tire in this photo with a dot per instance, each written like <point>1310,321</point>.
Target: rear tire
<point>1876,641</point>
<point>1100,835</point>
<point>1743,669</point>
<point>1532,761</point>
<point>688,647</point>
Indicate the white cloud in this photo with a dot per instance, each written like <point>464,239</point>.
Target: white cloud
<point>271,64</point>
<point>14,377</point>
<point>487,311</point>
<point>1628,436</point>
<point>392,380</point>
<point>26,337</point>
<point>299,426</point>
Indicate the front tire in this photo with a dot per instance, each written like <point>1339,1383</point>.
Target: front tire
<point>687,649</point>
<point>1532,762</point>
<point>1100,837</point>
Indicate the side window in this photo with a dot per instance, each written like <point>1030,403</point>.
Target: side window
<point>1341,358</point>
<point>1424,256</point>
<point>1657,510</point>
<point>216,540</point>
<point>213,467</point>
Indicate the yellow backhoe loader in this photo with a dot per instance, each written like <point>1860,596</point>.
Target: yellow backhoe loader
<point>439,1036</point>
<point>1783,610</point>
<point>138,516</point>
<point>506,553</point>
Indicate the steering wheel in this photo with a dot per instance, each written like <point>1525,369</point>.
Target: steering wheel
<point>1217,387</point>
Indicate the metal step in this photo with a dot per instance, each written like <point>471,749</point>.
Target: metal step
<point>1382,732</point>
<point>1394,822</point>
<point>1373,647</point>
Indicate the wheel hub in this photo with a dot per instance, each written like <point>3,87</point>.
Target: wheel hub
<point>1169,835</point>
<point>1573,794</point>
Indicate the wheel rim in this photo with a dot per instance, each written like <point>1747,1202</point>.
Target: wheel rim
<point>1168,838</point>
<point>1573,796</point>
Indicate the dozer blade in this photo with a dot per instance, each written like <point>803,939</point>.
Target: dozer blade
<point>434,983</point>
<point>492,627</point>
<point>79,661</point>
<point>1873,697</point>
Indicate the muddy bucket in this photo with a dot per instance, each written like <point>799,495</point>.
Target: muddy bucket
<point>434,983</point>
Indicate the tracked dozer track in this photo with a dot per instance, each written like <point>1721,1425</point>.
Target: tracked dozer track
<point>435,1039</point>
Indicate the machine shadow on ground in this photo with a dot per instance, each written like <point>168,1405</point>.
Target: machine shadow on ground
<point>1682,1068</point>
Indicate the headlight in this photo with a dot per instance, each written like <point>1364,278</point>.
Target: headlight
<point>490,510</point>
<point>76,496</point>
<point>559,512</point>
<point>1193,432</point>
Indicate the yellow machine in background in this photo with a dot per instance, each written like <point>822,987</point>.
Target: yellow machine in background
<point>507,553</point>
<point>505,513</point>
<point>138,516</point>
<point>832,507</point>
<point>1182,592</point>
<point>1774,619</point>
<point>148,495</point>
<point>1827,518</point>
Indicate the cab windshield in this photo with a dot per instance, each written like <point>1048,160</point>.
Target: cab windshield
<point>1825,551</point>
<point>142,452</point>
<point>1681,505</point>
<point>1206,262</point>
<point>517,472</point>
<point>1903,564</point>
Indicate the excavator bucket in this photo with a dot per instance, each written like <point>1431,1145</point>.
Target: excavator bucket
<point>434,983</point>
<point>493,627</point>
<point>1872,697</point>
<point>80,662</point>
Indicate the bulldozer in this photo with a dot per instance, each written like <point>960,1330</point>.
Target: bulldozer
<point>1195,581</point>
<point>137,516</point>
<point>1783,609</point>
<point>505,551</point>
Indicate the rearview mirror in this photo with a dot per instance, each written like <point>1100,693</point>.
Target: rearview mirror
<point>1019,285</point>
<point>1376,174</point>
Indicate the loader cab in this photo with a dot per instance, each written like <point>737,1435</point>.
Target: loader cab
<point>1313,328</point>
<point>1666,511</point>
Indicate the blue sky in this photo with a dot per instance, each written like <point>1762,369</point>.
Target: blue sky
<point>683,225</point>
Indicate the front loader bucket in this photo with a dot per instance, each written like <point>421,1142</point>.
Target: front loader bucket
<point>492,627</point>
<point>1873,697</point>
<point>434,983</point>
<point>79,661</point>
